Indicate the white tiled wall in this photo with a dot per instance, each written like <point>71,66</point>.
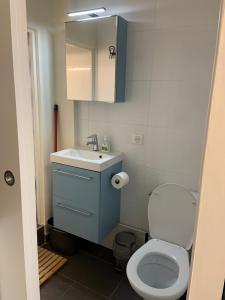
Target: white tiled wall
<point>170,58</point>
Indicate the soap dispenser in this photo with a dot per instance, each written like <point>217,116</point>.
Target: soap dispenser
<point>106,144</point>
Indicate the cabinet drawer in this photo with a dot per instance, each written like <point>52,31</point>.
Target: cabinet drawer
<point>82,223</point>
<point>77,188</point>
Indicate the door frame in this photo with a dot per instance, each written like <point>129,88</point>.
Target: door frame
<point>21,74</point>
<point>18,232</point>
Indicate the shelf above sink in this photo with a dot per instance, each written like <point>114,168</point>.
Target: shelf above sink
<point>86,159</point>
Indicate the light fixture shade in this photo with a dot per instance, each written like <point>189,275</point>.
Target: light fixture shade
<point>93,18</point>
<point>86,12</point>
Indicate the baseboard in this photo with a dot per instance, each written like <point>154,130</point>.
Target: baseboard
<point>141,235</point>
<point>40,234</point>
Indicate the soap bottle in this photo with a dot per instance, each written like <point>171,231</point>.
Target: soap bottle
<point>106,144</point>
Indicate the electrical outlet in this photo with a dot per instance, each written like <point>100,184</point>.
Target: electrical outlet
<point>138,139</point>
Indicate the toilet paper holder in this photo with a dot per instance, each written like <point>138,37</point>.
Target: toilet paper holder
<point>119,180</point>
<point>113,174</point>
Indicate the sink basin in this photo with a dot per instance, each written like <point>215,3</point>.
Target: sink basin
<point>86,159</point>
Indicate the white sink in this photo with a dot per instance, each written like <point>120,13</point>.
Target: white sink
<point>86,159</point>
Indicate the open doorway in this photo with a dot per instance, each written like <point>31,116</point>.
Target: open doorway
<point>19,223</point>
<point>33,65</point>
<point>161,127</point>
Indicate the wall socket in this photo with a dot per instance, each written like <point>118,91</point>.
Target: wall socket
<point>137,139</point>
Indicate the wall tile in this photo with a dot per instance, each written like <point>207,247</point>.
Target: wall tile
<point>185,151</point>
<point>82,110</point>
<point>190,106</point>
<point>157,142</point>
<point>183,54</point>
<point>143,54</point>
<point>135,109</point>
<point>167,55</point>
<point>175,150</point>
<point>198,48</point>
<point>98,111</point>
<point>120,136</point>
<point>82,132</point>
<point>155,177</point>
<point>179,104</point>
<point>135,200</point>
<point>169,69</point>
<point>180,13</point>
<point>163,95</point>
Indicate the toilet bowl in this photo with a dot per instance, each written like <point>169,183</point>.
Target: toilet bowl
<point>160,268</point>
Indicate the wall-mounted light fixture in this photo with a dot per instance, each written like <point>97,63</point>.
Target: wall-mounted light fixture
<point>92,18</point>
<point>87,12</point>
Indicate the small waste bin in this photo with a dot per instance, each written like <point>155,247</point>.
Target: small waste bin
<point>123,247</point>
<point>61,241</point>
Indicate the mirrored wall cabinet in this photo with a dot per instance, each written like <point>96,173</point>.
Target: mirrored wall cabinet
<point>96,59</point>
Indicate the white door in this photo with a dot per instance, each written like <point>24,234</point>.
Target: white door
<point>18,245</point>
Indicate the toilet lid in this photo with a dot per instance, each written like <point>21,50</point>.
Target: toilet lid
<point>171,214</point>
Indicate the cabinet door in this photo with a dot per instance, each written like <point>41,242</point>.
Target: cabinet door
<point>76,194</point>
<point>76,221</point>
<point>96,59</point>
<point>76,187</point>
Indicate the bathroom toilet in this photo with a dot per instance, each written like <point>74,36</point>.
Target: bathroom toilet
<point>160,268</point>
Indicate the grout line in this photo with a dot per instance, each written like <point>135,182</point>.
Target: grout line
<point>98,258</point>
<point>67,289</point>
<point>90,290</point>
<point>67,277</point>
<point>74,281</point>
<point>116,288</point>
<point>83,286</point>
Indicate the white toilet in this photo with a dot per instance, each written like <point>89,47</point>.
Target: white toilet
<point>160,269</point>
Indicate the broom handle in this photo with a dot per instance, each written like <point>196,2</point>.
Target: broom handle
<point>55,128</point>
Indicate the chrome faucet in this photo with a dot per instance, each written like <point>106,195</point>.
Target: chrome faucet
<point>93,140</point>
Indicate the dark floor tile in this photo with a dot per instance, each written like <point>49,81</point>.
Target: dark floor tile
<point>102,253</point>
<point>93,273</point>
<point>81,293</point>
<point>96,250</point>
<point>125,291</point>
<point>55,287</point>
<point>184,297</point>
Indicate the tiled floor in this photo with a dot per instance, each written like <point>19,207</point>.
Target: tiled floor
<point>89,275</point>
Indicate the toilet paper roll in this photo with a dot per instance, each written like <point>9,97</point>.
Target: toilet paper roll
<point>120,180</point>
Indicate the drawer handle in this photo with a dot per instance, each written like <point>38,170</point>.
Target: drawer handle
<point>81,212</point>
<point>73,175</point>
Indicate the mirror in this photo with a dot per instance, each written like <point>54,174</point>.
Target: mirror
<point>96,59</point>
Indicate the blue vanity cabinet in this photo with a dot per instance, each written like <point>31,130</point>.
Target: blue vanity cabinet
<point>84,202</point>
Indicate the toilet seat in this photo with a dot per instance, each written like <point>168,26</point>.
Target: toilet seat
<point>159,270</point>
<point>171,214</point>
<point>174,254</point>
